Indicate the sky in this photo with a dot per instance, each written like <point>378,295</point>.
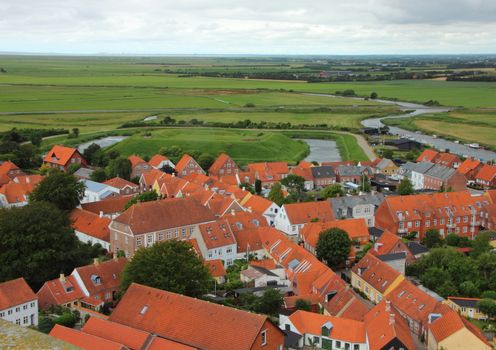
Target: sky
<point>283,27</point>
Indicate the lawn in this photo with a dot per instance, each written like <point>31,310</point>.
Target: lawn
<point>467,125</point>
<point>242,145</point>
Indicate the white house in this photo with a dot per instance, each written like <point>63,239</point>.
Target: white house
<point>262,277</point>
<point>18,303</point>
<point>159,161</point>
<point>91,228</point>
<point>216,241</point>
<point>357,207</point>
<point>95,191</point>
<point>263,206</point>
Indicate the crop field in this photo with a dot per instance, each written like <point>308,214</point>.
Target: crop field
<point>470,125</point>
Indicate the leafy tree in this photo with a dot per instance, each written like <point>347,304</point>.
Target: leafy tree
<point>247,187</point>
<point>333,246</point>
<point>258,186</point>
<point>75,132</point>
<point>26,156</point>
<point>294,183</point>
<point>388,153</point>
<point>373,95</point>
<point>489,294</point>
<point>487,306</point>
<point>171,265</point>
<point>36,139</point>
<point>365,187</point>
<point>269,303</point>
<point>432,239</point>
<point>275,194</point>
<point>168,169</point>
<point>302,304</point>
<point>469,289</point>
<point>90,151</point>
<point>173,152</point>
<point>59,188</point>
<point>481,244</point>
<point>98,175</point>
<point>147,196</point>
<point>452,240</point>
<point>405,187</point>
<point>67,319</point>
<point>37,243</point>
<point>45,324</point>
<point>332,191</point>
<point>120,167</point>
<point>205,160</point>
<point>434,277</point>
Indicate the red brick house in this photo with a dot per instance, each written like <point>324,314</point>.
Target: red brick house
<point>470,167</point>
<point>138,166</point>
<point>60,157</point>
<point>195,322</point>
<point>390,243</point>
<point>187,165</point>
<point>125,187</point>
<point>486,177</point>
<point>223,165</point>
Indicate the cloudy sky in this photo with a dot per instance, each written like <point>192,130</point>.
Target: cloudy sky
<point>248,27</point>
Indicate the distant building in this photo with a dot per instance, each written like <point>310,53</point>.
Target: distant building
<point>95,191</point>
<point>61,158</point>
<point>356,207</point>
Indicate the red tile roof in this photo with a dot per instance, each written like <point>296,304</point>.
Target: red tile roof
<point>386,243</point>
<point>427,155</point>
<point>59,291</point>
<point>107,206</point>
<point>492,195</point>
<point>17,191</point>
<point>305,173</point>
<point>183,163</point>
<point>270,167</point>
<point>149,177</point>
<point>447,159</point>
<point>7,167</point>
<point>250,239</point>
<point>342,329</point>
<point>166,344</point>
<point>157,159</point>
<point>135,160</point>
<point>109,272</point>
<point>162,214</point>
<point>15,292</point>
<point>267,264</point>
<point>83,340</point>
<point>187,320</point>
<point>258,204</point>
<point>242,220</point>
<point>91,224</point>
<point>376,272</point>
<point>59,155</point>
<point>131,337</point>
<point>221,205</point>
<point>290,302</point>
<point>217,234</point>
<point>468,165</point>
<point>356,229</point>
<point>200,179</point>
<point>216,267</point>
<point>301,213</point>
<point>336,164</point>
<point>120,183</point>
<point>221,160</point>
<point>487,173</point>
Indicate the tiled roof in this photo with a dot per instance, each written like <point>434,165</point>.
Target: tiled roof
<point>305,173</point>
<point>242,220</point>
<point>250,239</point>
<point>336,164</point>
<point>162,214</point>
<point>135,160</point>
<point>7,166</point>
<point>290,302</point>
<point>217,234</point>
<point>268,264</point>
<point>300,213</point>
<point>109,273</point>
<point>383,326</point>
<point>200,179</point>
<point>166,344</point>
<point>15,292</point>
<point>149,177</point>
<point>219,163</point>
<point>183,162</point>
<point>386,243</point>
<point>487,173</point>
<point>216,267</point>
<point>342,329</point>
<point>120,183</point>
<point>131,337</point>
<point>376,273</point>
<point>346,304</point>
<point>219,205</point>
<point>447,159</point>
<point>107,206</point>
<point>59,155</point>
<point>157,159</point>
<point>323,172</point>
<point>270,167</point>
<point>83,340</point>
<point>17,190</point>
<point>258,204</point>
<point>427,156</point>
<point>91,224</point>
<point>351,170</point>
<point>492,195</point>
<point>59,291</point>
<point>187,320</point>
<point>356,229</point>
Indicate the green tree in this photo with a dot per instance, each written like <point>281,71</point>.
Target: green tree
<point>481,243</point>
<point>90,151</point>
<point>147,196</point>
<point>432,239</point>
<point>388,153</point>
<point>37,243</point>
<point>294,183</point>
<point>171,265</point>
<point>75,132</point>
<point>67,319</point>
<point>434,277</point>
<point>487,306</point>
<point>59,188</point>
<point>120,167</point>
<point>36,139</point>
<point>333,246</point>
<point>373,95</point>
<point>269,303</point>
<point>332,191</point>
<point>98,175</point>
<point>489,294</point>
<point>452,240</point>
<point>45,324</point>
<point>205,160</point>
<point>302,304</point>
<point>405,187</point>
<point>365,187</point>
<point>275,194</point>
<point>469,289</point>
<point>258,186</point>
<point>247,187</point>
<point>72,168</point>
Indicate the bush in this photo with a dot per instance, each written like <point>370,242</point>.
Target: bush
<point>67,320</point>
<point>45,325</point>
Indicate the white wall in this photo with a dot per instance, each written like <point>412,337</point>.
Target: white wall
<point>26,315</point>
<point>83,237</point>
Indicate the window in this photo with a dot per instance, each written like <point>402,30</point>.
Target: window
<point>149,239</point>
<point>139,241</point>
<point>18,321</point>
<point>264,337</point>
<point>442,221</point>
<point>338,344</point>
<point>356,347</point>
<point>169,235</point>
<point>2,314</point>
<point>229,262</point>
<point>126,239</point>
<point>417,223</point>
<point>427,223</point>
<point>25,307</point>
<point>434,222</point>
<point>25,320</point>
<point>18,309</point>
<point>228,250</point>
<point>161,236</point>
<point>210,254</point>
<point>183,232</point>
<point>9,312</point>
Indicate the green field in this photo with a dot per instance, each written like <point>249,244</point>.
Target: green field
<point>466,125</point>
<point>242,145</point>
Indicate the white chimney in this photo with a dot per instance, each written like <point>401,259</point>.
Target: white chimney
<point>62,277</point>
<point>28,180</point>
<point>101,214</point>
<point>96,261</point>
<point>388,306</point>
<point>233,212</point>
<point>391,319</point>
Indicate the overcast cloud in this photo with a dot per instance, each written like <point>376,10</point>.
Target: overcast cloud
<point>248,27</point>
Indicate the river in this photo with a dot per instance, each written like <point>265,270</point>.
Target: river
<point>103,142</point>
<point>322,151</point>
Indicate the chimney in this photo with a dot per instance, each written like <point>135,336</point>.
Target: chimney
<point>101,214</point>
<point>388,305</point>
<point>28,180</point>
<point>96,262</point>
<point>62,278</point>
<point>233,212</point>
<point>243,188</point>
<point>249,209</point>
<point>391,319</point>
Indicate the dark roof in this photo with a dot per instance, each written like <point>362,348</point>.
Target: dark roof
<point>291,339</point>
<point>417,248</point>
<point>263,270</point>
<point>465,302</point>
<point>392,256</point>
<point>375,231</point>
<point>324,171</point>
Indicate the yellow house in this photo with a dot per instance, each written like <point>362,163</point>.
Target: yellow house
<point>387,167</point>
<point>467,307</point>
<point>452,332</point>
<point>374,277</point>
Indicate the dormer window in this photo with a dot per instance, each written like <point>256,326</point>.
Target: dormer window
<point>96,279</point>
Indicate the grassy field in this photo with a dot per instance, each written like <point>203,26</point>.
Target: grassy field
<point>242,145</point>
<point>467,125</point>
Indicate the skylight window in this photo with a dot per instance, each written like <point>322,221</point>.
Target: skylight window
<point>144,310</point>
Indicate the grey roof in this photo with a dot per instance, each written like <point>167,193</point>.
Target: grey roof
<point>83,173</point>
<point>376,232</point>
<point>347,203</point>
<point>384,163</point>
<point>392,256</point>
<point>291,339</point>
<point>264,271</point>
<point>324,171</point>
<point>440,172</point>
<point>351,170</point>
<point>417,248</point>
<point>463,302</point>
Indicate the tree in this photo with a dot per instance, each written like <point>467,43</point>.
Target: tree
<point>205,160</point>
<point>119,167</point>
<point>98,175</point>
<point>333,247</point>
<point>72,168</point>
<point>36,139</point>
<point>469,289</point>
<point>147,196</point>
<point>332,191</point>
<point>37,243</point>
<point>171,265</point>
<point>489,294</point>
<point>302,304</point>
<point>373,95</point>
<point>487,306</point>
<point>365,184</point>
<point>75,132</point>
<point>269,303</point>
<point>434,277</point>
<point>247,187</point>
<point>294,183</point>
<point>67,319</point>
<point>481,244</point>
<point>90,151</point>
<point>45,324</point>
<point>59,188</point>
<point>452,240</point>
<point>275,194</point>
<point>388,153</point>
<point>405,187</point>
<point>432,239</point>
<point>258,186</point>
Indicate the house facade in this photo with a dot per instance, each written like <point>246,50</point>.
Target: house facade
<point>467,307</point>
<point>187,166</point>
<point>223,165</point>
<point>60,157</point>
<point>18,303</point>
<point>357,207</point>
<point>216,241</point>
